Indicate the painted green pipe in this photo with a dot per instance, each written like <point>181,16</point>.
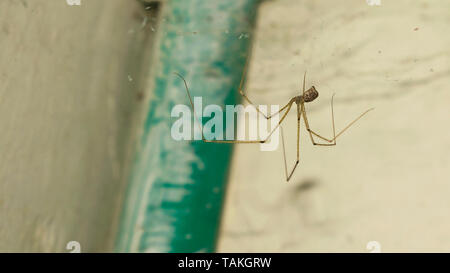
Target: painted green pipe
<point>176,188</point>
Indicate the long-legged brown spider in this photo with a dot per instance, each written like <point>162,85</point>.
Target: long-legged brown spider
<point>300,100</point>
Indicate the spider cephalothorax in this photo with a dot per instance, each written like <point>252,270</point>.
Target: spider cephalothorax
<point>310,94</point>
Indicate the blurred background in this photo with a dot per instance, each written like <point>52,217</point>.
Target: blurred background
<point>85,98</point>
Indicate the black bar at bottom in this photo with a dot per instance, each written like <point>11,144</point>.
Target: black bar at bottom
<point>219,262</point>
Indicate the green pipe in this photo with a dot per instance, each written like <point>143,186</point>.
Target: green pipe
<point>176,188</point>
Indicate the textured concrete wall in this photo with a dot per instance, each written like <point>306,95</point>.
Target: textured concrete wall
<point>387,180</point>
<point>69,87</point>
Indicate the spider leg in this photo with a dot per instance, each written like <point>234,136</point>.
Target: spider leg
<point>257,108</point>
<point>254,141</point>
<point>241,91</point>
<point>289,175</point>
<point>288,106</point>
<point>332,141</point>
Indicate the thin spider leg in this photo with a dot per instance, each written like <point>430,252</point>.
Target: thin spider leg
<point>306,119</point>
<point>279,111</point>
<point>232,141</point>
<point>311,132</point>
<point>289,105</point>
<point>281,120</point>
<point>241,91</point>
<point>351,123</point>
<point>284,153</point>
<point>190,100</point>
<point>342,131</point>
<point>289,175</point>
<point>254,141</point>
<point>299,114</point>
<point>332,141</point>
<point>304,79</point>
<point>257,108</point>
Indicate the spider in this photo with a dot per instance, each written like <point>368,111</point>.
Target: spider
<point>307,96</point>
